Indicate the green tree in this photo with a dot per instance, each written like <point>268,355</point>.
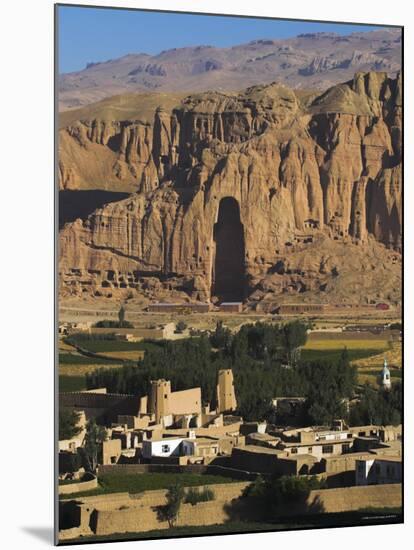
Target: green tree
<point>95,436</point>
<point>325,395</point>
<point>68,424</point>
<point>121,316</point>
<point>221,336</point>
<point>180,327</point>
<point>257,488</point>
<point>175,496</point>
<point>69,462</point>
<point>276,495</point>
<point>290,490</point>
<point>295,335</point>
<point>374,406</point>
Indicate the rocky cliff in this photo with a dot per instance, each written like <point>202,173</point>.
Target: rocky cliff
<point>302,191</point>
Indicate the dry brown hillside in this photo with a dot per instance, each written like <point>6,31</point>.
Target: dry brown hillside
<point>307,61</point>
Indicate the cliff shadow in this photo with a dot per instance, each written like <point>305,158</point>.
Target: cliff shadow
<point>80,204</point>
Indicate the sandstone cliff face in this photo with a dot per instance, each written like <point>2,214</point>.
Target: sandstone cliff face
<point>299,172</point>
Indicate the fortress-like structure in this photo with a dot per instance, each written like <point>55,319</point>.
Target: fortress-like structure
<point>162,407</point>
<point>165,405</point>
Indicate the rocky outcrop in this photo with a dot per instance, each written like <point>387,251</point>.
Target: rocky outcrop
<point>299,174</point>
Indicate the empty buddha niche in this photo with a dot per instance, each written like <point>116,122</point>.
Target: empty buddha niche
<point>228,265</point>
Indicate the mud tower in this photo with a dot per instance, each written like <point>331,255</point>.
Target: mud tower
<point>159,404</point>
<point>226,397</point>
<point>228,280</point>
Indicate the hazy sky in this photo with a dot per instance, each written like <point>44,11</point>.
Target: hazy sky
<point>93,34</point>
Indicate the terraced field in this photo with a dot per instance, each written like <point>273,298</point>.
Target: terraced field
<point>366,352</point>
<point>73,367</point>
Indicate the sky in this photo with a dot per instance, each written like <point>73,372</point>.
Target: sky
<point>93,34</point>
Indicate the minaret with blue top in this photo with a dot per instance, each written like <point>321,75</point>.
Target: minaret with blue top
<point>386,376</point>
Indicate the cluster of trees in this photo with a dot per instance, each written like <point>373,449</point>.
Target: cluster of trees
<point>68,424</point>
<point>262,341</point>
<point>329,384</point>
<point>187,363</point>
<point>265,361</point>
<point>90,454</point>
<point>109,323</point>
<point>121,323</point>
<point>381,407</point>
<point>78,337</point>
<point>274,495</point>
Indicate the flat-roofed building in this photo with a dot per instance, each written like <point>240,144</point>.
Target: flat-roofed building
<point>111,451</point>
<point>164,307</point>
<point>165,447</point>
<point>318,442</point>
<point>262,439</point>
<point>300,309</point>
<point>377,470</point>
<point>231,307</point>
<point>255,458</point>
<point>202,447</point>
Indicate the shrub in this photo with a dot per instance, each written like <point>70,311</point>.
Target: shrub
<point>256,489</point>
<point>180,328</point>
<point>194,495</point>
<point>69,462</point>
<point>109,323</point>
<point>275,495</point>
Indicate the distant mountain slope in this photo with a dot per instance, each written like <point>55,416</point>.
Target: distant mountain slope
<point>308,61</point>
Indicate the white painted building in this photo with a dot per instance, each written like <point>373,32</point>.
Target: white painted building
<point>163,447</point>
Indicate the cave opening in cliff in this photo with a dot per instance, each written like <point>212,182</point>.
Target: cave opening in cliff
<point>228,281</point>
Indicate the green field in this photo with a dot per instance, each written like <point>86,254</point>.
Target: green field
<point>335,354</point>
<point>330,346</point>
<point>136,483</point>
<point>72,383</point>
<point>74,359</point>
<point>97,346</point>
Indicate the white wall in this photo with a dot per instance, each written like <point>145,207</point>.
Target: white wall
<point>362,470</point>
<point>161,448</point>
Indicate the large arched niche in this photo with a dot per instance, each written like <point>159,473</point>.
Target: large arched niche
<point>228,267</point>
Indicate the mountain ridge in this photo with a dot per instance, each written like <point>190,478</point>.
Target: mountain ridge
<point>310,60</point>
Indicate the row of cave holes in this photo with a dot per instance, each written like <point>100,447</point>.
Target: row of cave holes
<point>111,278</point>
<point>111,281</point>
<point>120,282</point>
